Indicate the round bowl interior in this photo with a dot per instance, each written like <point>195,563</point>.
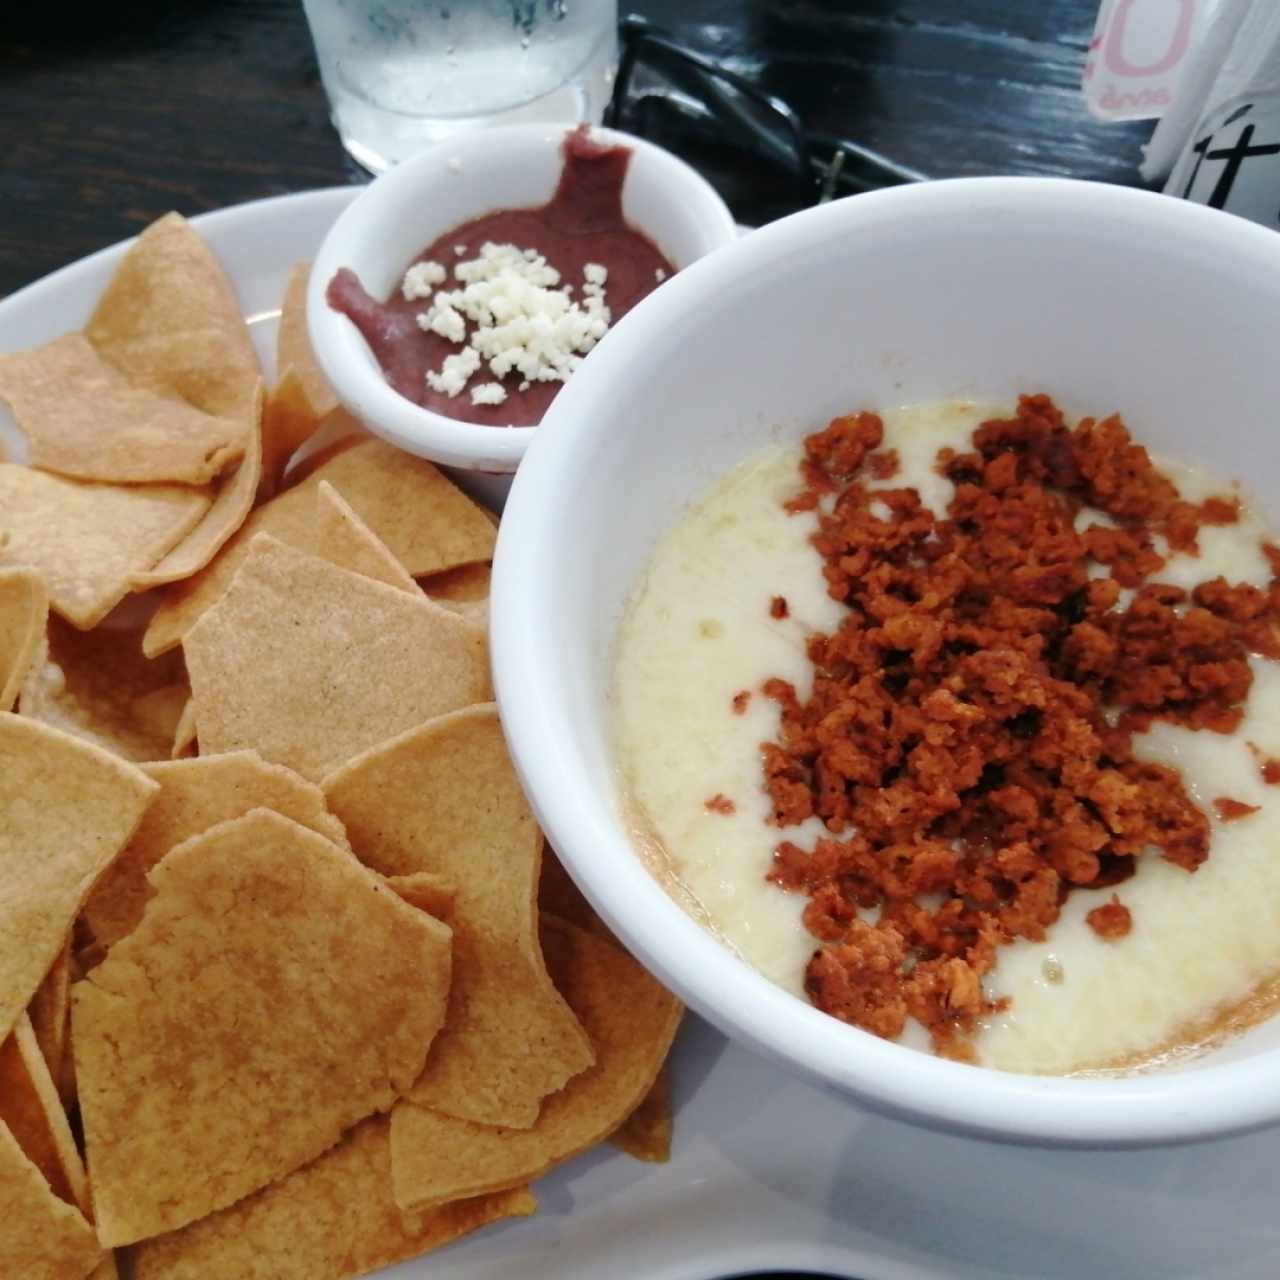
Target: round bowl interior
<point>413,204</point>
<point>981,288</point>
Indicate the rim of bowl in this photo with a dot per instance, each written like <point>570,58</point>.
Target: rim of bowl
<point>342,353</point>
<point>1145,1110</point>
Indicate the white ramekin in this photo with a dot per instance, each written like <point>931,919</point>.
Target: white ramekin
<point>411,205</point>
<point>1111,299</point>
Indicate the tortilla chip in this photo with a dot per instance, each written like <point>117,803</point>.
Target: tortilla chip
<point>30,1106</point>
<point>50,1008</point>
<point>231,506</point>
<point>332,1220</point>
<point>88,540</point>
<point>24,610</point>
<point>309,664</point>
<point>646,1133</point>
<point>195,795</point>
<point>631,1020</point>
<point>41,1236</point>
<point>82,419</point>
<point>445,798</point>
<point>560,897</point>
<point>428,892</point>
<point>465,590</point>
<point>288,422</point>
<point>65,1080</point>
<point>426,523</point>
<point>98,686</point>
<point>293,995</point>
<point>66,809</point>
<point>293,344</point>
<point>170,322</point>
<point>339,432</point>
<point>30,1109</point>
<point>344,539</point>
<point>185,736</point>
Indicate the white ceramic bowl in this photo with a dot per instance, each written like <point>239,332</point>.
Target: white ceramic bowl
<point>411,205</point>
<point>1107,298</point>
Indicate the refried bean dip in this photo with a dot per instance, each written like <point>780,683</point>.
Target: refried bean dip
<point>581,229</point>
<point>996,718</point>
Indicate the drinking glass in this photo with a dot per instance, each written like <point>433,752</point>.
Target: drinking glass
<point>404,74</point>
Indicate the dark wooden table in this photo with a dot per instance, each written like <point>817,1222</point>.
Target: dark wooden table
<point>125,111</point>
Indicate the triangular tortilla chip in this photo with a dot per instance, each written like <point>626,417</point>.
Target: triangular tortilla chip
<point>631,1019</point>
<point>41,1236</point>
<point>170,322</point>
<point>646,1133</point>
<point>83,419</point>
<point>293,995</point>
<point>30,1108</point>
<point>428,892</point>
<point>231,506</point>
<point>302,398</point>
<point>185,736</point>
<point>309,664</point>
<point>65,1080</point>
<point>87,541</point>
<point>24,610</point>
<point>445,798</point>
<point>560,897</point>
<point>344,539</point>
<point>339,432</point>
<point>97,685</point>
<point>426,522</point>
<point>195,795</point>
<point>332,1220</point>
<point>465,590</point>
<point>288,422</point>
<point>50,1008</point>
<point>293,344</point>
<point>66,809</point>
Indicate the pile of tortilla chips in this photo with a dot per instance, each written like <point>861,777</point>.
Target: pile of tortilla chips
<point>289,984</point>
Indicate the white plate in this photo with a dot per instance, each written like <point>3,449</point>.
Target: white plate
<point>767,1172</point>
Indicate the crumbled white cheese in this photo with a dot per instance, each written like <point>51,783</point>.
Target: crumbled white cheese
<point>421,279</point>
<point>488,393</point>
<point>521,318</point>
<point>459,249</point>
<point>445,321</point>
<point>454,372</point>
<point>659,275</point>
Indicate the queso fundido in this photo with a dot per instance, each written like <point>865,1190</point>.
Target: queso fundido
<point>976,753</point>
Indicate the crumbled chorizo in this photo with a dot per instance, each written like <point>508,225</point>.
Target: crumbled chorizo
<point>720,803</point>
<point>1230,810</point>
<point>778,608</point>
<point>1268,766</point>
<point>882,465</point>
<point>1110,921</point>
<point>967,738</point>
<point>740,701</point>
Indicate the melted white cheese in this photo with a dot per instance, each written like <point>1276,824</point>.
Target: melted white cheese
<point>698,631</point>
